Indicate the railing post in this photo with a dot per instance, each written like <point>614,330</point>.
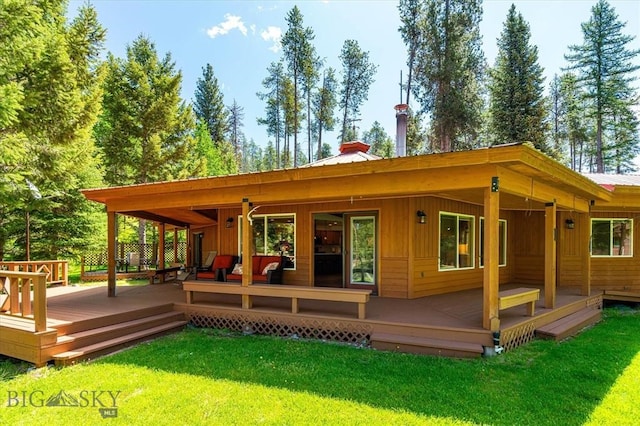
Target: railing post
<point>40,302</point>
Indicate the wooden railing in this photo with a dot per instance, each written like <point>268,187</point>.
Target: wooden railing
<point>57,271</point>
<point>20,300</point>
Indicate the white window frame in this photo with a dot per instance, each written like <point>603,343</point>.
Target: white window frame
<point>265,218</point>
<point>471,238</point>
<point>611,220</point>
<point>480,245</point>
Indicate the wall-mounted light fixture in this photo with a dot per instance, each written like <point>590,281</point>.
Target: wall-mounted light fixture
<point>229,223</point>
<point>569,223</point>
<point>422,216</point>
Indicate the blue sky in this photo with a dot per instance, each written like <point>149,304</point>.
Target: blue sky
<point>239,39</point>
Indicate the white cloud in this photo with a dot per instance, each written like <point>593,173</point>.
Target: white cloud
<point>231,22</point>
<point>273,34</point>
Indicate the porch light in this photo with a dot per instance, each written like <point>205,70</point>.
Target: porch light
<point>422,216</point>
<point>569,223</point>
<point>229,223</point>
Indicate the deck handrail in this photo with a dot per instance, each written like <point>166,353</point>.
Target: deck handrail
<point>20,300</point>
<point>57,271</point>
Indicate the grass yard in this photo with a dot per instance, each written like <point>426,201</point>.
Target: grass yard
<point>208,377</point>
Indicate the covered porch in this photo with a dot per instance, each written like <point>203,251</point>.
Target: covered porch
<point>508,183</point>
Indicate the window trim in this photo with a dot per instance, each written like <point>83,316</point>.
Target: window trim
<point>481,248</point>
<point>472,256</point>
<point>611,220</point>
<point>266,217</point>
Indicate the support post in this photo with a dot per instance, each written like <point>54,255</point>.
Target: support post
<point>491,279</point>
<point>111,254</point>
<point>247,251</point>
<point>189,255</point>
<point>550,235</point>
<point>175,245</point>
<point>161,244</point>
<point>584,229</point>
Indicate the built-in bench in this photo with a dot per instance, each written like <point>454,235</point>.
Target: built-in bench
<point>163,275</point>
<point>361,297</point>
<point>519,296</point>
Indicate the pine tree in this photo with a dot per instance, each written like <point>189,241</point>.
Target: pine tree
<point>300,56</point>
<point>604,67</point>
<point>324,106</point>
<point>381,143</point>
<point>449,69</point>
<point>235,125</point>
<point>50,78</point>
<point>209,105</point>
<point>357,77</point>
<point>146,130</point>
<point>274,96</point>
<point>517,103</point>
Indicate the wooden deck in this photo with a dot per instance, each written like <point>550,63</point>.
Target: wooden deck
<point>81,319</point>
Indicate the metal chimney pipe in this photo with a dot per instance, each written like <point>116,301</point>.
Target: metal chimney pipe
<point>401,129</point>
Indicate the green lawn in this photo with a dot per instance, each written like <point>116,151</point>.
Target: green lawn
<point>208,377</point>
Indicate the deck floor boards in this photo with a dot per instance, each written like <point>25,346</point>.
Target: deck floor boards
<point>461,309</point>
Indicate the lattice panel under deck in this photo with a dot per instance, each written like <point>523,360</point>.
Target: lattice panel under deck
<point>518,336</point>
<point>305,328</point>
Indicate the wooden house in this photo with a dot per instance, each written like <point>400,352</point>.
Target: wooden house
<point>470,235</point>
<point>410,227</point>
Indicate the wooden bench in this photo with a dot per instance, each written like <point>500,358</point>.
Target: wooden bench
<point>519,296</point>
<point>361,297</point>
<point>163,274</point>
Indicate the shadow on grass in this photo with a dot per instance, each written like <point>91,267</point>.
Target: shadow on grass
<point>540,383</point>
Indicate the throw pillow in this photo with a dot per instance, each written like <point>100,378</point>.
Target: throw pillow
<point>270,267</point>
<point>237,270</point>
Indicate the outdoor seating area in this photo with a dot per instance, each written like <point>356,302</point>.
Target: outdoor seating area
<point>265,269</point>
<point>215,270</point>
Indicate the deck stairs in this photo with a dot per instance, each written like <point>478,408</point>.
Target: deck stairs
<point>425,345</point>
<point>87,339</point>
<point>439,341</point>
<point>570,324</point>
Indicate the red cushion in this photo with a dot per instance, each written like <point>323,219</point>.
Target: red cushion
<point>206,275</point>
<point>222,261</point>
<point>264,261</point>
<point>255,265</point>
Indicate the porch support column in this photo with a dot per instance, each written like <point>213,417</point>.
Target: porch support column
<point>584,227</point>
<point>175,245</point>
<point>550,235</point>
<point>161,254</point>
<point>247,264</point>
<point>490,312</point>
<point>189,254</point>
<point>111,254</point>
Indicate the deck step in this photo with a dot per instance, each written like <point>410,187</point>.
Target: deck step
<point>570,325</point>
<point>76,326</point>
<point>111,345</point>
<point>95,335</point>
<point>425,345</point>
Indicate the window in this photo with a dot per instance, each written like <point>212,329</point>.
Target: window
<point>456,241</point>
<point>273,234</point>
<point>502,242</point>
<point>611,237</point>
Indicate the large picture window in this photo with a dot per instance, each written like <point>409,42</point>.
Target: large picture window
<point>502,242</point>
<point>456,241</point>
<point>273,234</point>
<point>611,237</point>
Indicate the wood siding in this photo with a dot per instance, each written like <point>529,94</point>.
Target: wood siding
<point>618,273</point>
<point>426,278</point>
